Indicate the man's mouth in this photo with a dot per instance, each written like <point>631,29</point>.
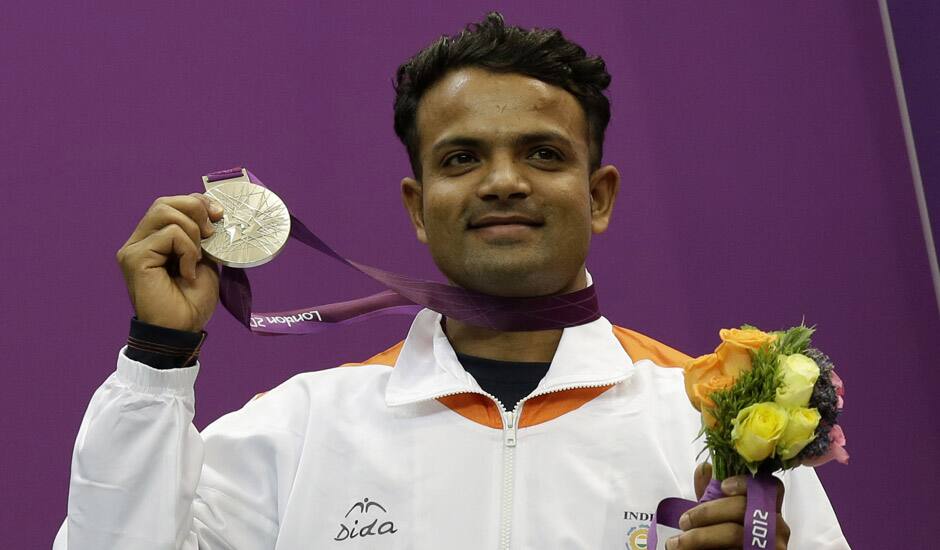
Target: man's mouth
<point>497,220</point>
<point>504,228</point>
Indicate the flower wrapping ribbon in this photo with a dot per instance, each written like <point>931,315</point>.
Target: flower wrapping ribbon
<point>406,295</point>
<point>760,516</point>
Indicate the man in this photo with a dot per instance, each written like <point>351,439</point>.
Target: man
<point>459,436</point>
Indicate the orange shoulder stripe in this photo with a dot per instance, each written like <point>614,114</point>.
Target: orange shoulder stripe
<point>639,347</point>
<point>387,357</point>
<point>550,406</point>
<point>482,410</point>
<point>472,406</point>
<point>475,407</point>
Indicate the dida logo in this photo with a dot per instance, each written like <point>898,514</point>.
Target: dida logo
<point>356,521</point>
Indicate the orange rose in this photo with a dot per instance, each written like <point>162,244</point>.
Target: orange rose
<point>697,374</point>
<point>734,352</point>
<point>719,370</point>
<point>703,376</point>
<point>748,337</point>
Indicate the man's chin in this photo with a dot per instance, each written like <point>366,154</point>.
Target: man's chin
<point>514,281</point>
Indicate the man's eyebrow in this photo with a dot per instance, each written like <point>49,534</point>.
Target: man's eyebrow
<point>541,137</point>
<point>518,141</point>
<point>457,141</point>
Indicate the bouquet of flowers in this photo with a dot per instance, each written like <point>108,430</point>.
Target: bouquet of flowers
<point>769,402</point>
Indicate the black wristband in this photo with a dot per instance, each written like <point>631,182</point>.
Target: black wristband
<point>162,347</point>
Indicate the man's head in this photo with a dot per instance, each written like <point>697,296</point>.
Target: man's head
<point>543,54</point>
<point>504,128</point>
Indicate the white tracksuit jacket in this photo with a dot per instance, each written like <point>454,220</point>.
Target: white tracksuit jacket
<point>404,451</point>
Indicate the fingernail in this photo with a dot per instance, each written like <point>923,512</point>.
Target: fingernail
<point>215,207</point>
<point>684,522</point>
<point>672,543</point>
<point>732,486</point>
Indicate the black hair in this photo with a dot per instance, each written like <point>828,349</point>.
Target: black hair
<point>543,54</point>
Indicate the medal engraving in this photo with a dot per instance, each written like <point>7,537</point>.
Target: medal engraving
<point>254,227</point>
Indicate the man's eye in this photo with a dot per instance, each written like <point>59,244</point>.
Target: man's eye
<point>545,153</point>
<point>459,159</point>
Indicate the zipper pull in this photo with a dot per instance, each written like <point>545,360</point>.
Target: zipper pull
<point>509,431</point>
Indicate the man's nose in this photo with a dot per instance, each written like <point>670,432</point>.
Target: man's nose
<point>504,182</point>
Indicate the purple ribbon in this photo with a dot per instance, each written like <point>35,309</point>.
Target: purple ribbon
<point>406,295</point>
<point>760,517</point>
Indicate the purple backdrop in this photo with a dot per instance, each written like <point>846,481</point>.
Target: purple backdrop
<point>765,180</point>
<point>916,25</point>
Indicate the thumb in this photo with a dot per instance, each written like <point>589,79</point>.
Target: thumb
<point>703,474</point>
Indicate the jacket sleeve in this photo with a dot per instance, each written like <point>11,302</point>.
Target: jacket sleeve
<point>806,509</point>
<point>139,479</point>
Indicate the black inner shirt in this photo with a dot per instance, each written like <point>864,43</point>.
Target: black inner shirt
<point>508,381</point>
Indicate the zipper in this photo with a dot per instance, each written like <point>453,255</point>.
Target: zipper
<point>510,432</point>
<point>510,429</point>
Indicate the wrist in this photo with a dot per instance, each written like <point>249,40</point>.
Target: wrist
<point>168,324</point>
<point>163,347</point>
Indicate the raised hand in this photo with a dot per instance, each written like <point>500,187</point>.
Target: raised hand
<point>169,281</point>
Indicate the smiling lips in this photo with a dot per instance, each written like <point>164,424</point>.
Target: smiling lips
<point>496,220</point>
<point>504,226</point>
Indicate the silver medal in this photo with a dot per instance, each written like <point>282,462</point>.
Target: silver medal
<point>254,227</point>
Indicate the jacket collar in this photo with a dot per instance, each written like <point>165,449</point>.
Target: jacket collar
<point>427,367</point>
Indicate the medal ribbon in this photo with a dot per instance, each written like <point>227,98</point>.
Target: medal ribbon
<point>760,517</point>
<point>406,295</point>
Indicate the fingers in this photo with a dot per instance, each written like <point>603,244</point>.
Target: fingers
<point>700,525</point>
<point>729,509</point>
<point>780,491</point>
<point>737,485</point>
<point>719,523</point>
<point>172,239</point>
<point>783,533</point>
<point>725,535</point>
<point>703,474</point>
<point>154,250</point>
<point>213,207</point>
<point>193,213</point>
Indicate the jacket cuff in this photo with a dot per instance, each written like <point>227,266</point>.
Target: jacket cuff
<point>144,378</point>
<point>163,348</point>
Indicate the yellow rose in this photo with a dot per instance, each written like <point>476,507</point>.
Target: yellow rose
<point>798,374</point>
<point>801,429</point>
<point>757,429</point>
<point>736,346</point>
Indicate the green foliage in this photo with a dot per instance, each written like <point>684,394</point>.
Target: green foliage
<point>795,340</point>
<point>755,386</point>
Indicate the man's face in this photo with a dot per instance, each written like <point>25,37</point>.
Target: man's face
<point>507,203</point>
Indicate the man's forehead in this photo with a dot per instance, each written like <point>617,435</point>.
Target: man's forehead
<point>476,100</point>
<point>475,89</point>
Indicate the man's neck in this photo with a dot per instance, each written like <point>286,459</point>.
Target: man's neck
<point>531,347</point>
<point>526,346</point>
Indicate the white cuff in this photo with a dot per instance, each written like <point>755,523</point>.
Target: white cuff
<point>143,377</point>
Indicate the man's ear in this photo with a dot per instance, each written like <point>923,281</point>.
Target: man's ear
<point>605,182</point>
<point>412,195</point>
